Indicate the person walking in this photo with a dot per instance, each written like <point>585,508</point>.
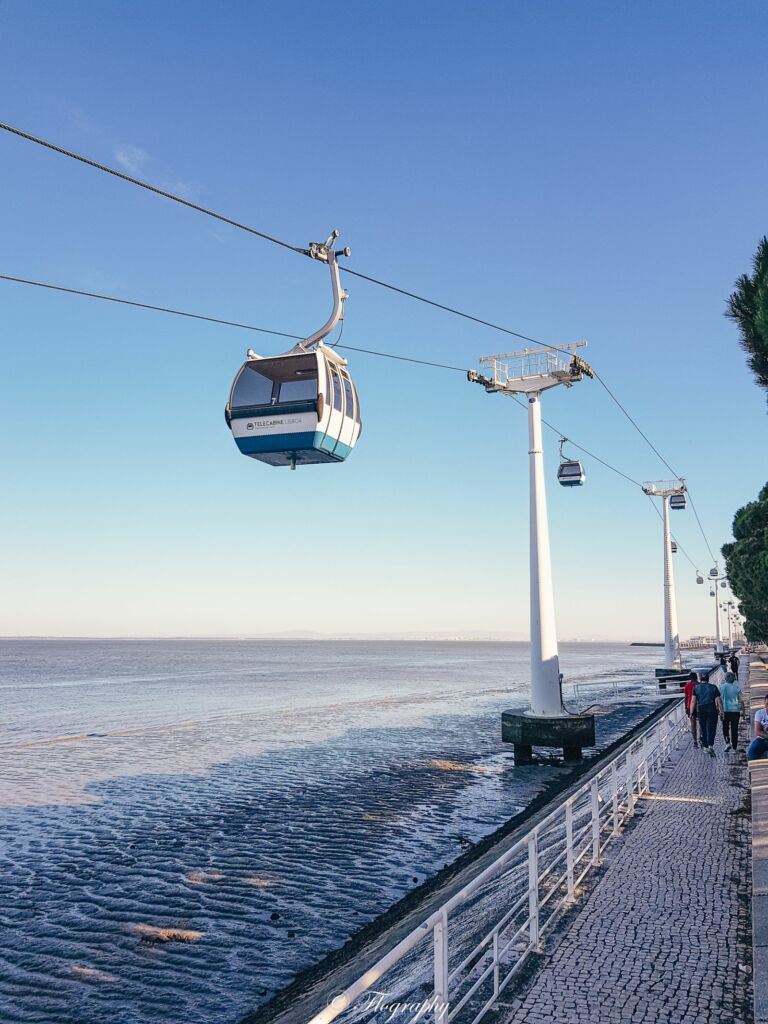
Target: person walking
<point>692,683</point>
<point>733,704</point>
<point>707,706</point>
<point>758,748</point>
<point>734,663</point>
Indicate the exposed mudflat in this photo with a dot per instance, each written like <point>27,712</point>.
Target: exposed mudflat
<point>184,825</point>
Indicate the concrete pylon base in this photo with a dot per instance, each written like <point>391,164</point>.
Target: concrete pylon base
<point>569,732</point>
<point>675,677</point>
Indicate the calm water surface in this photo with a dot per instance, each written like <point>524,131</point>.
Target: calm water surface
<point>259,799</point>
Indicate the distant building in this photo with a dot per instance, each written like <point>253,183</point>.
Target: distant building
<point>698,641</point>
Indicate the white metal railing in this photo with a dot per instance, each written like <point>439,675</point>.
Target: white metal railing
<point>583,695</point>
<point>716,676</point>
<point>442,968</point>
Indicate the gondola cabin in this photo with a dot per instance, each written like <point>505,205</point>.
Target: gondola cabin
<point>297,409</point>
<point>571,474</point>
<point>674,548</point>
<point>677,501</point>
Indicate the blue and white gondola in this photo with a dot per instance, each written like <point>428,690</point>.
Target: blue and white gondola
<point>300,408</point>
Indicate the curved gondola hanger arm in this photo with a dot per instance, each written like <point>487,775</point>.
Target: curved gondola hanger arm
<point>325,252</point>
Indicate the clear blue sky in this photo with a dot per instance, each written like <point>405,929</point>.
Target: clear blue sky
<point>593,170</point>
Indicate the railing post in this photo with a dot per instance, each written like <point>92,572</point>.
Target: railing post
<point>441,969</point>
<point>533,889</point>
<point>630,784</point>
<point>594,800</point>
<point>644,786</point>
<point>569,850</point>
<point>615,798</point>
<point>496,963</point>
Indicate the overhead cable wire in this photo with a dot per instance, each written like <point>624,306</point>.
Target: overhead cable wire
<point>709,549</point>
<point>254,231</point>
<point>653,448</point>
<point>283,334</point>
<point>655,508</point>
<point>356,273</point>
<point>216,320</point>
<point>145,184</point>
<point>249,327</point>
<point>634,423</point>
<point>591,455</point>
<point>146,305</point>
<point>447,309</point>
<point>403,359</point>
<point>613,469</point>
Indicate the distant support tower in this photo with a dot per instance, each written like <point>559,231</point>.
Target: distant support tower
<point>672,494</point>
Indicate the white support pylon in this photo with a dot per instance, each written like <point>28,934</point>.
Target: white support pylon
<point>671,632</point>
<point>666,490</point>
<point>545,660</point>
<point>718,631</point>
<point>531,372</point>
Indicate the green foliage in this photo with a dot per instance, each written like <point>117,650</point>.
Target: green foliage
<point>747,306</point>
<point>747,565</point>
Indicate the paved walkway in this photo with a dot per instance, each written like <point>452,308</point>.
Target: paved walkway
<point>664,936</point>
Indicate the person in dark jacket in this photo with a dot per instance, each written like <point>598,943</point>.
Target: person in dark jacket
<point>708,707</point>
<point>690,686</point>
<point>734,663</point>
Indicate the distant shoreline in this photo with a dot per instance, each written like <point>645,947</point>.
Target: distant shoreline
<point>322,637</point>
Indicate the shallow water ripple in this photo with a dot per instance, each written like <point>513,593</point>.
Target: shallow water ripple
<point>191,892</point>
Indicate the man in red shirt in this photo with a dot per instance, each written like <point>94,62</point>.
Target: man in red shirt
<point>688,690</point>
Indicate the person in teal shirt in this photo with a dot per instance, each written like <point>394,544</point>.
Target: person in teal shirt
<point>733,704</point>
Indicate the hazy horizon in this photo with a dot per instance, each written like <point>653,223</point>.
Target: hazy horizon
<point>415,635</point>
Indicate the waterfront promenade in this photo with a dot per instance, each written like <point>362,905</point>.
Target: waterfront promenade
<point>664,934</point>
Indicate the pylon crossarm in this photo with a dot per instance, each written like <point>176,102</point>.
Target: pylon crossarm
<point>533,370</point>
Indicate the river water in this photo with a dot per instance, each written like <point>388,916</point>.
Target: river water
<point>185,824</point>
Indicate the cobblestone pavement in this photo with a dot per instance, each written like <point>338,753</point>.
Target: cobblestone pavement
<point>666,927</point>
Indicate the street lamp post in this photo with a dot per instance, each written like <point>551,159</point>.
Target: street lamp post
<point>547,723</point>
